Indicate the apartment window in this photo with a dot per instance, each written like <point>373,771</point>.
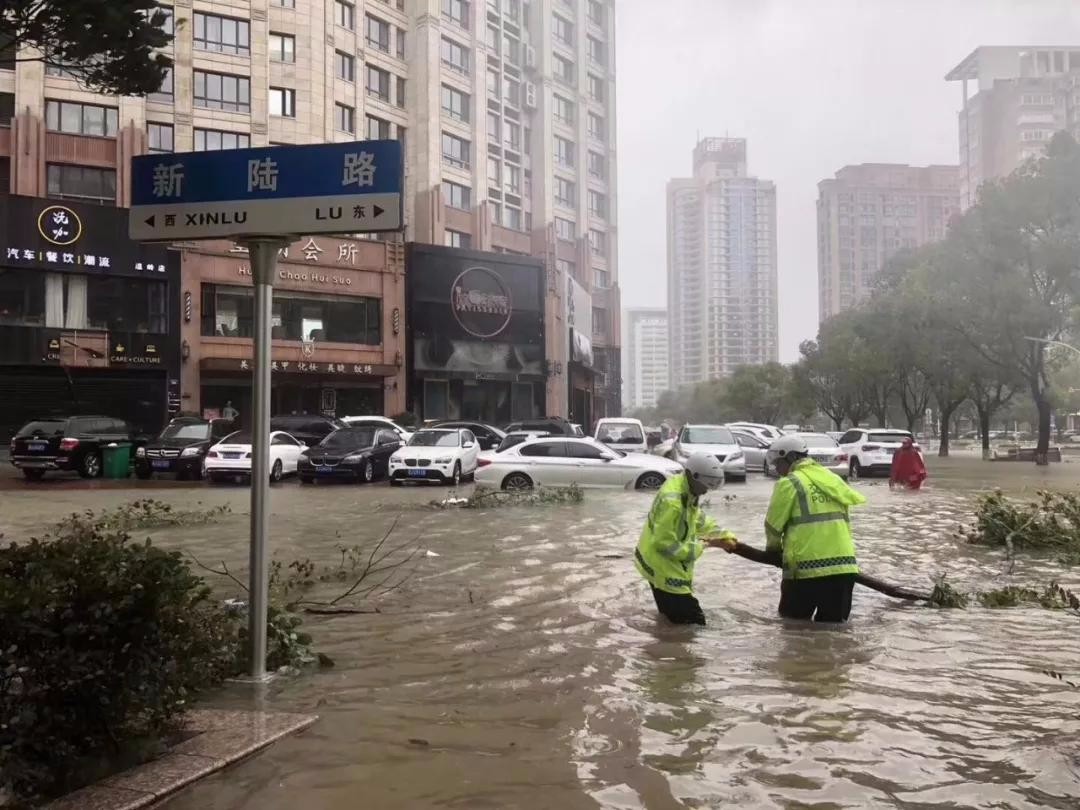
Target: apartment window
<point>344,66</point>
<point>562,29</point>
<point>377,128</point>
<point>596,126</point>
<point>456,195</point>
<point>565,229</point>
<point>164,93</point>
<point>597,204</point>
<point>601,280</point>
<point>455,150</point>
<point>564,151</point>
<point>159,137</point>
<point>211,140</point>
<point>596,50</point>
<point>511,50</point>
<point>345,14</point>
<point>455,55</point>
<point>283,102</point>
<point>595,10</point>
<point>563,69</point>
<point>220,91</point>
<point>597,165</point>
<point>597,242</point>
<point>494,84</point>
<point>378,83</point>
<point>512,178</point>
<point>282,48</point>
<point>284,3</point>
<point>494,172</point>
<point>492,38</point>
<point>378,33</point>
<point>344,118</point>
<point>596,88</point>
<point>81,119</point>
<point>599,322</point>
<point>511,218</point>
<point>399,40</point>
<point>564,110</point>
<point>81,183</point>
<point>512,91</point>
<point>399,91</point>
<point>565,192</point>
<point>457,239</point>
<point>513,136</point>
<point>222,34</point>
<point>493,129</point>
<point>456,11</point>
<point>455,104</point>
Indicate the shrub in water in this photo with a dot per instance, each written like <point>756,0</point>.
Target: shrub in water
<point>102,642</point>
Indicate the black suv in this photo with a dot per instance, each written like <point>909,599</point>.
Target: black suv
<point>307,428</point>
<point>555,425</point>
<point>487,437</point>
<point>181,447</point>
<point>66,443</point>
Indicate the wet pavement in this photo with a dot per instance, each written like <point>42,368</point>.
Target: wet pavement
<point>524,666</point>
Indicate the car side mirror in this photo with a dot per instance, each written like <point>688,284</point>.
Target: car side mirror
<point>607,458</point>
<point>467,445</point>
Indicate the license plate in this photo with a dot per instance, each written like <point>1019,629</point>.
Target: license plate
<point>161,464</point>
<point>37,447</point>
<point>324,469</point>
<point>231,455</point>
<point>418,473</point>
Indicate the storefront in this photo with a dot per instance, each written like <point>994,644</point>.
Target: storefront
<point>87,317</point>
<point>581,374</point>
<point>337,329</point>
<point>476,335</point>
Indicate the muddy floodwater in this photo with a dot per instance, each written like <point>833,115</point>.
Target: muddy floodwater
<point>524,665</point>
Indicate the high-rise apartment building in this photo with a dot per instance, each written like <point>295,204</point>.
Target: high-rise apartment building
<point>506,108</point>
<point>646,347</point>
<point>867,213</point>
<point>1022,96</point>
<point>722,269</point>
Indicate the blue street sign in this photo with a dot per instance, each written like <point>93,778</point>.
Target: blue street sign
<point>267,191</point>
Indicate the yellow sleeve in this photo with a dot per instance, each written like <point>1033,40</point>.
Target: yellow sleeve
<point>781,506</point>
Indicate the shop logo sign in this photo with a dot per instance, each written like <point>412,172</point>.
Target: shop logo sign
<point>59,225</point>
<point>480,301</point>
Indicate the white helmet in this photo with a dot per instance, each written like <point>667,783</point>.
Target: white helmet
<point>705,469</point>
<point>787,448</point>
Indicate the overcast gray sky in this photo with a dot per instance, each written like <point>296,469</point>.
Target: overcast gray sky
<point>812,85</point>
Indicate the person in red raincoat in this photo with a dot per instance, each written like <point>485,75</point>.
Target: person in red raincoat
<point>908,468</point>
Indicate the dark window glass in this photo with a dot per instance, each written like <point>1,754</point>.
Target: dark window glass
<point>126,304</point>
<point>222,34</point>
<point>81,119</point>
<point>22,297</point>
<point>208,140</point>
<point>584,450</point>
<point>81,183</point>
<point>221,91</point>
<point>545,449</point>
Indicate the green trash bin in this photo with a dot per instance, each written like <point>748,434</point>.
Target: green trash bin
<point>116,460</point>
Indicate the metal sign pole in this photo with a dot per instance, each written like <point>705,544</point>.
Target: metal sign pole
<point>263,254</point>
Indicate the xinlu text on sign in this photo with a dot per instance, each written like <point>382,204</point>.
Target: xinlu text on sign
<point>320,188</point>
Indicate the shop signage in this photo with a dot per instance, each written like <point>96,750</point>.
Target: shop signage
<point>480,301</point>
<point>59,224</point>
<point>315,188</point>
<point>148,356</point>
<point>310,276</point>
<point>301,367</point>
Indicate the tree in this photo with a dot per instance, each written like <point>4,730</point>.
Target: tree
<point>757,393</point>
<point>108,44</point>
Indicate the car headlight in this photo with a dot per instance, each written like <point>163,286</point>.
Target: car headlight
<point>445,460</point>
<point>354,457</point>
<point>140,452</point>
<point>188,452</point>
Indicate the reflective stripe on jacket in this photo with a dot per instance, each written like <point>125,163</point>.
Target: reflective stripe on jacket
<point>808,519</point>
<point>670,541</point>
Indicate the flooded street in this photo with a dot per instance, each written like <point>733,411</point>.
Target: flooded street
<point>525,667</point>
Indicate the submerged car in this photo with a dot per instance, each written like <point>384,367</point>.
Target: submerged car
<point>627,435</point>
<point>716,440</point>
<point>230,459</point>
<point>825,451</point>
<point>181,447</point>
<point>66,444</point>
<point>444,456</point>
<point>564,461</point>
<point>350,454</point>
<point>870,450</point>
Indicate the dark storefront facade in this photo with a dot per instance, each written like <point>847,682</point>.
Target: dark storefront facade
<point>581,376</point>
<point>87,317</point>
<point>476,335</point>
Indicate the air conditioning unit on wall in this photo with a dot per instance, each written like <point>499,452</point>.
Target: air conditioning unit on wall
<point>530,95</point>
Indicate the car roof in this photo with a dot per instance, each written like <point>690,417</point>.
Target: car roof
<point>438,430</point>
<point>704,425</point>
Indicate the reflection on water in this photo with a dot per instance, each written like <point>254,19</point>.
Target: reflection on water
<point>533,665</point>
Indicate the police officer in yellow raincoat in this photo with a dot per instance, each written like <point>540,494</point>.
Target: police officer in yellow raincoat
<point>676,534</point>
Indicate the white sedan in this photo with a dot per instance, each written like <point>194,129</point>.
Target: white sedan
<point>442,455</point>
<point>562,461</point>
<point>377,422</point>
<point>230,459</point>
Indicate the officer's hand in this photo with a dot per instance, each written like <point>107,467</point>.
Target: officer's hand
<point>725,541</point>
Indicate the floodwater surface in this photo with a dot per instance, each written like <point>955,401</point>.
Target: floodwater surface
<point>524,665</point>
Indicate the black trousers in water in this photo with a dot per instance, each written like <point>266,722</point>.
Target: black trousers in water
<point>678,608</point>
<point>823,599</point>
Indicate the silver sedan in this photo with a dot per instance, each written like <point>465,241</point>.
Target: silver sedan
<point>825,451</point>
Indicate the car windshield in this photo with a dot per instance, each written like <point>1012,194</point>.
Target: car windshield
<point>818,440</point>
<point>435,438</point>
<point>44,427</point>
<point>349,437</point>
<point>620,433</point>
<point>896,437</point>
<point>240,437</point>
<point>706,435</point>
<point>196,431</point>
